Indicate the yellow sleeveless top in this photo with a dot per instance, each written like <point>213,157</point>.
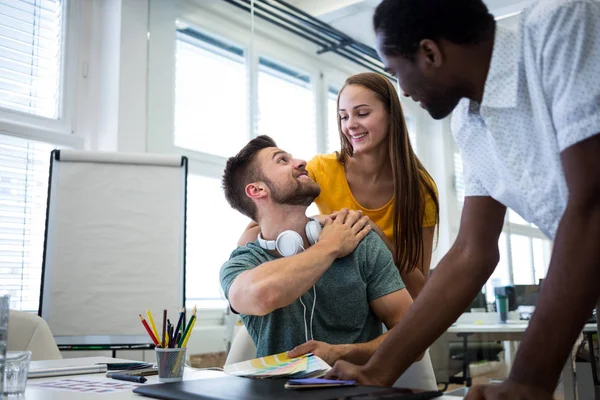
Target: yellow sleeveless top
<point>335,195</point>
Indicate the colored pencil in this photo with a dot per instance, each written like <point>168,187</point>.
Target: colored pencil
<point>178,326</point>
<point>176,339</point>
<point>154,340</point>
<point>192,323</point>
<point>152,325</point>
<point>164,329</point>
<point>187,328</point>
<point>168,339</point>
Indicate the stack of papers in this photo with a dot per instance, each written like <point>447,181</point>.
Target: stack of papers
<point>280,366</point>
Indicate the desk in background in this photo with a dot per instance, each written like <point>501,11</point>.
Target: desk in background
<point>512,331</point>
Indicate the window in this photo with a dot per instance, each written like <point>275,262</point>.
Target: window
<point>333,133</point>
<point>31,56</point>
<point>224,95</point>
<point>23,191</point>
<point>213,230</point>
<point>286,108</point>
<point>411,126</point>
<point>211,100</point>
<point>524,251</point>
<point>459,184</point>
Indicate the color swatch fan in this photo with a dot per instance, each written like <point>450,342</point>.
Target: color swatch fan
<point>280,366</point>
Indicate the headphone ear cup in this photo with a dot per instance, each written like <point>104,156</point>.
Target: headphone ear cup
<point>313,230</point>
<point>289,243</point>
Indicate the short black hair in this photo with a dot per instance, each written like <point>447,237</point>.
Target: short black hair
<point>240,170</point>
<point>405,23</point>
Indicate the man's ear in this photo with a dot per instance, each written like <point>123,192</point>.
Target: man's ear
<point>430,53</point>
<point>256,190</point>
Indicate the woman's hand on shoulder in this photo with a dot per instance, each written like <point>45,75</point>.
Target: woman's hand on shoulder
<point>322,217</point>
<point>250,234</point>
<point>349,213</point>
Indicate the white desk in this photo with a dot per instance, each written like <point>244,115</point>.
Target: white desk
<point>505,330</point>
<point>36,393</point>
<point>513,331</point>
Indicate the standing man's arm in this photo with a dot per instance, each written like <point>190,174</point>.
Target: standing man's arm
<point>568,68</point>
<point>459,276</point>
<point>573,283</point>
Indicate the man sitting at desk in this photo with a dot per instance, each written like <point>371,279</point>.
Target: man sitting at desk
<point>299,281</point>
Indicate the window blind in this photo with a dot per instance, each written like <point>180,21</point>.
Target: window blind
<point>23,191</point>
<point>31,36</point>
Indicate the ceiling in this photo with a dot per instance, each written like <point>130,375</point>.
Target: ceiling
<point>354,17</point>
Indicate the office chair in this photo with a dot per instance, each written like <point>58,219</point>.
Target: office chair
<point>27,331</point>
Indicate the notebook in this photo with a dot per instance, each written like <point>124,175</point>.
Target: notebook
<point>64,371</point>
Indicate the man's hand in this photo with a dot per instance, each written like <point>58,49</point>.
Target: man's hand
<point>345,232</point>
<point>329,353</point>
<point>346,371</point>
<point>507,390</point>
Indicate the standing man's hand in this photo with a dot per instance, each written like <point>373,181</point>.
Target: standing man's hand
<point>508,390</point>
<point>346,371</point>
<point>345,232</point>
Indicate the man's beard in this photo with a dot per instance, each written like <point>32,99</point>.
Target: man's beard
<point>301,194</point>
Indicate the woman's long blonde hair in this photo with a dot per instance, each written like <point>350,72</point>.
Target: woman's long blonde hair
<point>412,182</point>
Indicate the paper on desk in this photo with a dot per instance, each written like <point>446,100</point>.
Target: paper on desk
<point>279,366</point>
<point>86,385</point>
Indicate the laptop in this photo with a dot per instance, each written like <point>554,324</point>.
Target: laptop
<point>236,388</point>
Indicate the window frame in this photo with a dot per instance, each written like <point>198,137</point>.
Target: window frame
<point>58,131</point>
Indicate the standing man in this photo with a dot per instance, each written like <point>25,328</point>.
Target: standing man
<point>527,121</point>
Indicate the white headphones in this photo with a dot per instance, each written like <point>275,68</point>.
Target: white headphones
<point>289,243</point>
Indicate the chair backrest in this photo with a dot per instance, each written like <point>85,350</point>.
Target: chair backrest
<point>27,331</point>
<point>242,347</point>
<point>420,375</point>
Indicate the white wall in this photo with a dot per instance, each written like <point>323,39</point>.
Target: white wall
<point>112,80</point>
<point>111,113</point>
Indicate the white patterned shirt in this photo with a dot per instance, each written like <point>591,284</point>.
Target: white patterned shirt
<point>541,96</point>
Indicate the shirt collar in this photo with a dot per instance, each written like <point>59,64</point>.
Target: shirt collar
<point>500,89</point>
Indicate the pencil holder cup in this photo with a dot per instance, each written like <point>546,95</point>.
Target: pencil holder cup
<point>171,363</point>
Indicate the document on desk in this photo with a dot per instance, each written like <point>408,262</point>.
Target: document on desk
<point>86,385</point>
<point>280,366</point>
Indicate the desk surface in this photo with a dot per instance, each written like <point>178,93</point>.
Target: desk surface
<point>37,393</point>
<point>509,327</point>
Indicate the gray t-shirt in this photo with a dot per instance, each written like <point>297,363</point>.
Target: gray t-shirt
<point>342,313</point>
